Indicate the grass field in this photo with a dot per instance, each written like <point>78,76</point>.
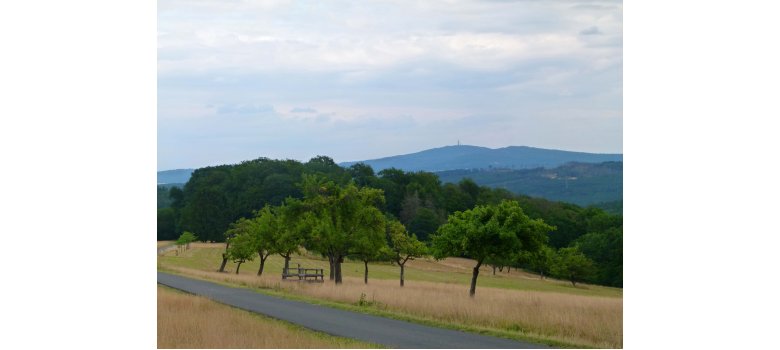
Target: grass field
<point>516,304</point>
<point>187,321</point>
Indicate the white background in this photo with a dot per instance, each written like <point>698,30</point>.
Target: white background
<point>78,153</point>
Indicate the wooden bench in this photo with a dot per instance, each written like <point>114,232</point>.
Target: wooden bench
<point>303,274</point>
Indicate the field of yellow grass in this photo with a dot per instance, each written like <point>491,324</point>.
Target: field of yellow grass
<point>517,304</point>
<point>207,257</point>
<point>187,321</point>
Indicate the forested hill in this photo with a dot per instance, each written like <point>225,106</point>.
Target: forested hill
<point>475,157</point>
<point>579,183</point>
<point>178,176</point>
<point>216,197</point>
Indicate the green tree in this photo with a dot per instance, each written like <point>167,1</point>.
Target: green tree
<point>166,224</point>
<point>282,228</point>
<point>208,213</point>
<point>362,174</point>
<point>369,245</point>
<point>403,245</point>
<point>501,262</point>
<point>242,249</point>
<point>605,248</point>
<point>541,261</point>
<point>338,216</point>
<point>489,232</point>
<point>260,240</point>
<point>573,265</point>
<point>186,238</point>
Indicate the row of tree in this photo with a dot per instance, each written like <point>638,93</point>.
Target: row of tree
<point>341,222</point>
<point>217,197</point>
<point>335,221</point>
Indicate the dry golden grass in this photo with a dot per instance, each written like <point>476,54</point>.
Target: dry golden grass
<point>207,256</point>
<point>186,321</point>
<point>164,243</point>
<point>573,319</point>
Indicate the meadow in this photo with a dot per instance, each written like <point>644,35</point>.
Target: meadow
<point>188,321</point>
<point>514,304</point>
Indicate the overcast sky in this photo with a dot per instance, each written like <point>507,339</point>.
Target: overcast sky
<point>358,80</point>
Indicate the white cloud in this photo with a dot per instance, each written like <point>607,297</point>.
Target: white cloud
<point>479,68</point>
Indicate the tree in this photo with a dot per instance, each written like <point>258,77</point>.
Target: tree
<point>541,261</point>
<point>369,245</point>
<point>606,250</point>
<point>403,245</point>
<point>573,265</point>
<point>500,262</point>
<point>242,249</point>
<point>281,227</point>
<point>186,238</point>
<point>225,256</point>
<point>260,240</point>
<point>338,216</point>
<point>166,224</point>
<point>489,232</point>
<point>362,174</point>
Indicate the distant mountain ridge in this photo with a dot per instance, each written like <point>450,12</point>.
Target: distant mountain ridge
<point>579,183</point>
<point>475,157</point>
<point>176,176</point>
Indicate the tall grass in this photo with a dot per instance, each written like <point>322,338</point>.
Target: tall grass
<point>573,319</point>
<point>186,321</point>
<point>207,256</point>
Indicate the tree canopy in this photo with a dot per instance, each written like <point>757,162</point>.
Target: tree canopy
<point>573,265</point>
<point>489,232</point>
<point>403,246</point>
<point>340,217</point>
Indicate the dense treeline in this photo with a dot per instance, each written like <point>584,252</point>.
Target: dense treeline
<point>578,183</point>
<point>216,197</point>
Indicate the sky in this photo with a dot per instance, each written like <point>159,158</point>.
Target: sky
<point>356,80</point>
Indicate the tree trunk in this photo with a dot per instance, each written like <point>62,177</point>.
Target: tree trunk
<point>332,270</point>
<point>262,264</point>
<point>474,279</point>
<point>494,270</point>
<point>224,258</point>
<point>337,262</point>
<point>365,274</point>
<point>501,269</point>
<point>402,274</point>
<point>238,267</point>
<point>286,263</point>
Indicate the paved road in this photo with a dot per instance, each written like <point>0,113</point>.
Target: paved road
<point>369,328</point>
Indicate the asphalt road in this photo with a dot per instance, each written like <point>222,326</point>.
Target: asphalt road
<point>369,328</point>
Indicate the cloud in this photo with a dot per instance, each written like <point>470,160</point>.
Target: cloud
<point>239,79</point>
<point>303,110</point>
<point>244,109</point>
<point>591,31</point>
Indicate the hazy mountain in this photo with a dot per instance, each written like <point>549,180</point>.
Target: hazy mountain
<point>475,157</point>
<point>176,176</point>
<point>578,183</point>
